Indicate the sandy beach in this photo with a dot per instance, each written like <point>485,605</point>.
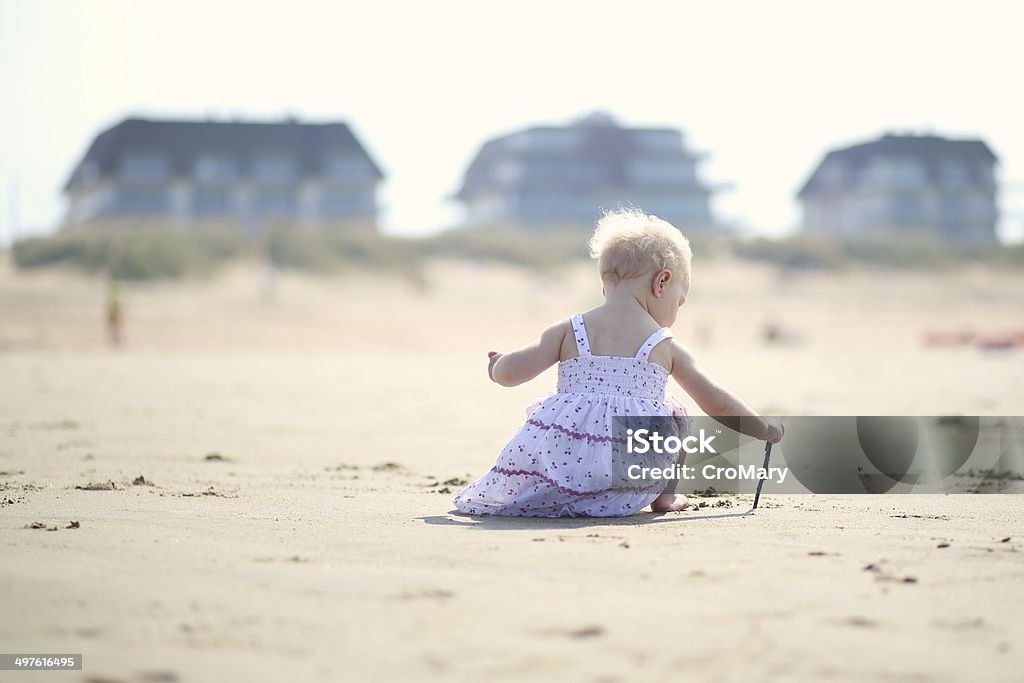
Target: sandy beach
<point>262,484</point>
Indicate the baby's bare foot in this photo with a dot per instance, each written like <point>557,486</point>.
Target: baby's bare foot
<point>669,502</point>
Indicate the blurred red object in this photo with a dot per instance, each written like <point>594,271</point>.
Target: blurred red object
<point>937,338</point>
<point>1006,341</point>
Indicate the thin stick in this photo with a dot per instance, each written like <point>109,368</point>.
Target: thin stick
<point>760,482</point>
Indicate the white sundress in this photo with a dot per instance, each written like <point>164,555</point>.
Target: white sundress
<point>565,461</point>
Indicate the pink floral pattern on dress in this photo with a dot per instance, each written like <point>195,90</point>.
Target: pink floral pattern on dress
<point>564,460</point>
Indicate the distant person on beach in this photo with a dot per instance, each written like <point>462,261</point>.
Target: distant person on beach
<point>613,360</point>
<point>115,313</point>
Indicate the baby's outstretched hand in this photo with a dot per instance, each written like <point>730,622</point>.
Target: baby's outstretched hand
<point>775,430</point>
<point>492,358</point>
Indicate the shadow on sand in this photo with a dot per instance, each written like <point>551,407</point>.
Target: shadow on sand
<point>497,523</point>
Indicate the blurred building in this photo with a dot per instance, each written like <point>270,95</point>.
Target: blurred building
<point>901,184</point>
<point>564,175</point>
<point>249,174</point>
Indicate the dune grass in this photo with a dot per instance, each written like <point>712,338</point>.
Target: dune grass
<point>154,252</point>
<point>132,253</point>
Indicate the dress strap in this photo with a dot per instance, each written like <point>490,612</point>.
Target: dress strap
<point>582,343</point>
<point>656,337</point>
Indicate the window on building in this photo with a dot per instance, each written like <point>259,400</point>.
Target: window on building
<point>507,171</point>
<point>274,169</point>
<point>906,209</point>
<point>956,207</point>
<point>345,168</point>
<point>144,167</point>
<point>953,174</point>
<point>984,175</point>
<point>214,169</point>
<point>142,201</point>
<point>563,172</point>
<point>905,173</point>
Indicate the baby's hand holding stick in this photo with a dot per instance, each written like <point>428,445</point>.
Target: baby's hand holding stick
<point>775,430</point>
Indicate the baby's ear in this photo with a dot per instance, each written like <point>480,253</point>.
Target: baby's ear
<point>660,281</point>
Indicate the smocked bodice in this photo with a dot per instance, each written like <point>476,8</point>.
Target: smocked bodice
<point>612,375</point>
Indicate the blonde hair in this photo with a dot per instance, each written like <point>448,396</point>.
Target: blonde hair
<point>628,243</point>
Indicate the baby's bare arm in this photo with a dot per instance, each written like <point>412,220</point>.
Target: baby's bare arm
<point>716,400</point>
<point>517,367</point>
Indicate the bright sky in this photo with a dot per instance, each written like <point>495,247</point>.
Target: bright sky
<point>765,88</point>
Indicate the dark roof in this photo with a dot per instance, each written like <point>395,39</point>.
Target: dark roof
<point>930,150</point>
<point>183,142</point>
<point>604,144</point>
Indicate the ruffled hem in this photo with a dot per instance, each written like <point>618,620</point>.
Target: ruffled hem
<point>536,495</point>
